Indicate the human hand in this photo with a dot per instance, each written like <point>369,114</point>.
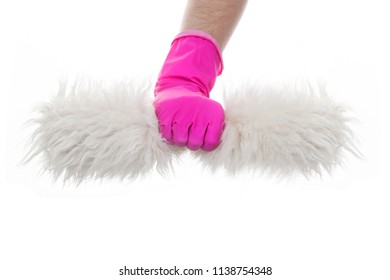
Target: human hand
<point>189,119</point>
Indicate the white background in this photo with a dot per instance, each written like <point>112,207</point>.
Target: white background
<point>336,227</point>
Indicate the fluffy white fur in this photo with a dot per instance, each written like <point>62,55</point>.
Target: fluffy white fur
<point>89,131</point>
<point>92,131</point>
<point>282,131</point>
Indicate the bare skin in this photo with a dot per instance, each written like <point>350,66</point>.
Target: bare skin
<point>218,18</point>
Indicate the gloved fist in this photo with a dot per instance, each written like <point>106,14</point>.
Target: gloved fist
<point>189,119</point>
<point>186,114</point>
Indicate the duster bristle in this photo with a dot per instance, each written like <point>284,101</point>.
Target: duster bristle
<point>282,132</point>
<point>93,132</point>
<point>89,131</point>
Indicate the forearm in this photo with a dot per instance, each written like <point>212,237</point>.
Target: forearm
<point>216,17</point>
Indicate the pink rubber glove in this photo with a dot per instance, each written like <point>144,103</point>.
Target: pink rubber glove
<point>186,114</point>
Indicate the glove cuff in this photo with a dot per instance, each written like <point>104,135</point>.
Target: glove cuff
<point>193,62</point>
<point>206,36</point>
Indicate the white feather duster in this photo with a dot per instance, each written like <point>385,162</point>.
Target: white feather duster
<point>89,131</point>
<point>281,131</point>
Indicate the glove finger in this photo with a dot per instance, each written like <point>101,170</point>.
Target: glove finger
<point>166,132</point>
<point>180,133</point>
<point>212,137</point>
<point>196,136</point>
